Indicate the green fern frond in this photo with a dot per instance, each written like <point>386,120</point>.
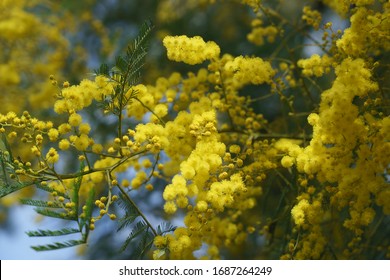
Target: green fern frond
<point>120,65</point>
<point>127,220</point>
<point>5,167</point>
<point>129,65</point>
<point>165,227</point>
<point>82,223</point>
<point>125,204</point>
<point>54,214</point>
<point>3,175</point>
<point>76,188</point>
<point>58,245</point>
<point>40,203</point>
<point>12,186</point>
<point>132,63</point>
<point>142,40</point>
<point>6,147</point>
<point>144,245</point>
<point>126,72</point>
<point>86,218</point>
<point>48,189</point>
<point>131,213</point>
<point>8,184</point>
<point>44,233</point>
<point>89,203</point>
<point>139,229</point>
<point>103,70</point>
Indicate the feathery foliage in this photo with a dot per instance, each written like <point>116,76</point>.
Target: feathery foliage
<point>126,72</point>
<point>70,213</point>
<point>58,245</point>
<point>40,203</point>
<point>9,182</point>
<point>44,233</point>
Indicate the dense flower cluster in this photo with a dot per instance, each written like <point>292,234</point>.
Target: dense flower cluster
<point>259,32</point>
<point>311,17</point>
<point>315,65</point>
<point>309,179</point>
<point>249,71</point>
<point>190,50</point>
<point>24,66</point>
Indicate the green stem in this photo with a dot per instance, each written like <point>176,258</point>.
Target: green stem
<point>150,110</point>
<point>92,170</point>
<point>126,195</point>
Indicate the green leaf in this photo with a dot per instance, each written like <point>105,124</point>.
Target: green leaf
<point>85,220</point>
<point>40,203</point>
<point>131,213</point>
<point>76,187</point>
<point>139,229</point>
<point>103,70</point>
<point>126,71</point>
<point>44,233</point>
<point>58,245</point>
<point>141,42</point>
<point>144,245</point>
<point>165,227</point>
<point>12,186</point>
<point>127,220</point>
<point>54,214</point>
<point>120,65</point>
<point>3,176</point>
<point>6,147</point>
<point>136,53</point>
<point>8,185</point>
<point>125,204</point>
<point>48,189</point>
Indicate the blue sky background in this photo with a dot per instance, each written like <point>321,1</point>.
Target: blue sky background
<point>15,244</point>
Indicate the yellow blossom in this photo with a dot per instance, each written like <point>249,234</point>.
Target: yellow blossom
<point>75,119</point>
<point>52,156</point>
<point>53,134</point>
<point>190,50</point>
<point>298,212</point>
<point>64,144</point>
<point>246,70</point>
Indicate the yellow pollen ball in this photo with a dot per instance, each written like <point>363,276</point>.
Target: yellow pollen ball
<point>75,119</point>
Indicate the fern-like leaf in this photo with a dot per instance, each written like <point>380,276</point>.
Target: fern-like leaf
<point>4,177</point>
<point>139,229</point>
<point>76,188</point>
<point>5,146</point>
<point>48,189</point>
<point>143,245</point>
<point>40,203</point>
<point>11,187</point>
<point>126,71</point>
<point>103,70</point>
<point>58,245</point>
<point>125,204</point>
<point>120,65</point>
<point>140,43</point>
<point>165,227</point>
<point>44,233</point>
<point>136,53</point>
<point>86,218</point>
<point>54,214</point>
<point>127,220</point>
<point>131,213</point>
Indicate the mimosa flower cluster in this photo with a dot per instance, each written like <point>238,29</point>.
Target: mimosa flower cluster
<point>190,50</point>
<point>263,147</point>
